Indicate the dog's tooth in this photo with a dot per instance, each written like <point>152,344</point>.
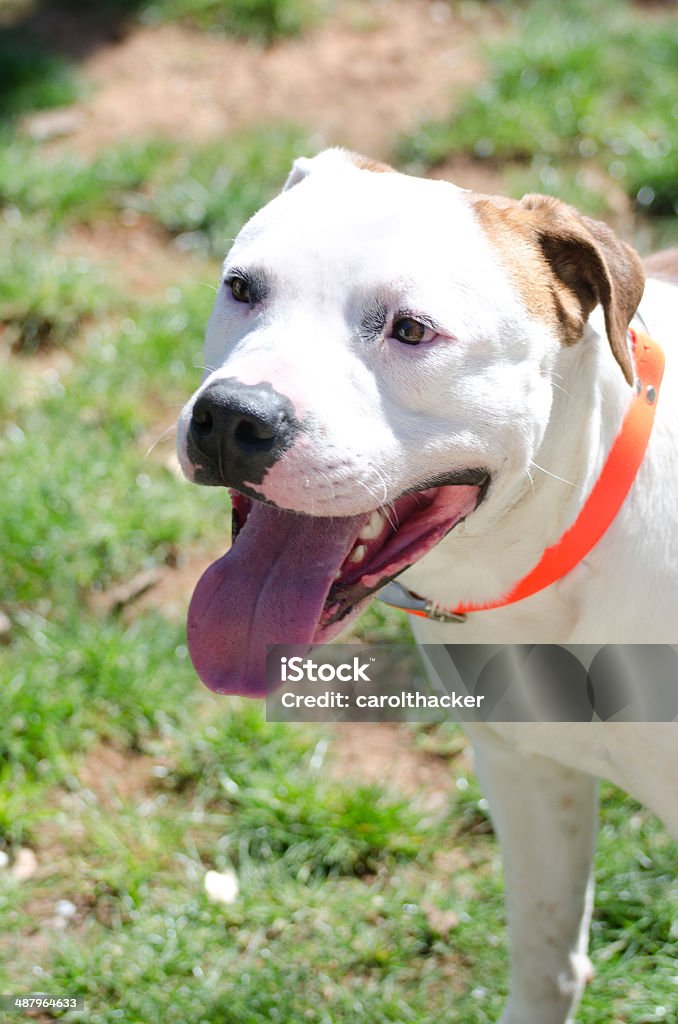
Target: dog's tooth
<point>358,553</point>
<point>373,526</point>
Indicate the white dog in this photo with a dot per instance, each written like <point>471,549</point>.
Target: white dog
<point>409,378</point>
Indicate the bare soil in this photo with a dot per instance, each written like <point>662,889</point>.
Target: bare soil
<point>367,74</point>
<point>363,76</point>
<point>134,253</point>
<point>384,753</point>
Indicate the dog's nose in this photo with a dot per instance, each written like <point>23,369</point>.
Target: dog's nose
<point>238,431</point>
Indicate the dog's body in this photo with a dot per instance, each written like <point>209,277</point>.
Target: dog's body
<point>387,343</point>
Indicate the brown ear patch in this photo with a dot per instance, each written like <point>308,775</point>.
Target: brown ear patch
<point>366,163</point>
<point>564,265</point>
<point>596,266</point>
<point>510,235</point>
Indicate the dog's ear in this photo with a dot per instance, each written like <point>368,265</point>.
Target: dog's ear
<point>301,168</point>
<point>332,159</point>
<point>591,266</point>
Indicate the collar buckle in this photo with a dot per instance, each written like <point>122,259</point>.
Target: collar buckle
<point>437,614</point>
<point>398,596</point>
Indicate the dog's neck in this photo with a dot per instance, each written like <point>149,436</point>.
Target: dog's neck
<point>590,398</point>
<point>483,559</point>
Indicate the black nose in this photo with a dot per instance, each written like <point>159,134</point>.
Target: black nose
<point>238,431</point>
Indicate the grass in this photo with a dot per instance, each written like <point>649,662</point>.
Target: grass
<point>64,293</point>
<point>260,21</point>
<point>263,21</point>
<point>203,197</point>
<point>200,200</point>
<point>129,780</point>
<point>576,85</point>
<point>31,78</point>
<point>66,189</point>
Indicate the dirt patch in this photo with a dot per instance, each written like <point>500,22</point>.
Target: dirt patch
<point>41,369</point>
<point>171,594</point>
<point>54,904</point>
<point>116,776</point>
<point>370,72</point>
<point>384,753</point>
<point>133,251</point>
<point>166,589</point>
<point>365,75</point>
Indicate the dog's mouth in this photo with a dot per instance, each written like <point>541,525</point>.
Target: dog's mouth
<point>291,578</point>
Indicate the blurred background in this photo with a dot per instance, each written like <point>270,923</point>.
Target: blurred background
<point>166,854</point>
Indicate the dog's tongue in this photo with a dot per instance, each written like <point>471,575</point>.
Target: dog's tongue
<point>270,588</point>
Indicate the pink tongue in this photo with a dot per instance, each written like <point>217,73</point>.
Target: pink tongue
<point>270,588</point>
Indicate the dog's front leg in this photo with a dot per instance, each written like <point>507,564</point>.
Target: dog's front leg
<point>545,816</point>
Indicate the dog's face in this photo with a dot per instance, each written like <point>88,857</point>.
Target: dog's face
<point>379,372</point>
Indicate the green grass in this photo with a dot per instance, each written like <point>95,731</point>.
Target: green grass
<point>574,84</point>
<point>65,188</point>
<point>263,21</point>
<point>32,78</point>
<point>64,294</point>
<point>200,200</point>
<point>204,196</point>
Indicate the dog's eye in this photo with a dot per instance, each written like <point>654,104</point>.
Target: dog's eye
<point>410,331</point>
<point>240,289</point>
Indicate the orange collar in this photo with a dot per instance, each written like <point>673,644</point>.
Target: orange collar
<point>600,508</point>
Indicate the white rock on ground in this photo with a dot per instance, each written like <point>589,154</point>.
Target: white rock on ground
<point>222,886</point>
<point>25,864</point>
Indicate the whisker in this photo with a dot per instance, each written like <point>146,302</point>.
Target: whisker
<point>369,490</point>
<point>383,483</point>
<point>384,504</point>
<point>329,483</point>
<point>165,433</point>
<point>530,478</point>
<point>381,502</point>
<point>564,391</point>
<point>556,477</point>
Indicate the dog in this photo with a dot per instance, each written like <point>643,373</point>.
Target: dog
<point>407,379</point>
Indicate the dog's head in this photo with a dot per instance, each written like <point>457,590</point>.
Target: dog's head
<point>380,356</point>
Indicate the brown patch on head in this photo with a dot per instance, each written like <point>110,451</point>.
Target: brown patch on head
<point>564,265</point>
<point>366,163</point>
<point>663,265</point>
<point>505,224</point>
